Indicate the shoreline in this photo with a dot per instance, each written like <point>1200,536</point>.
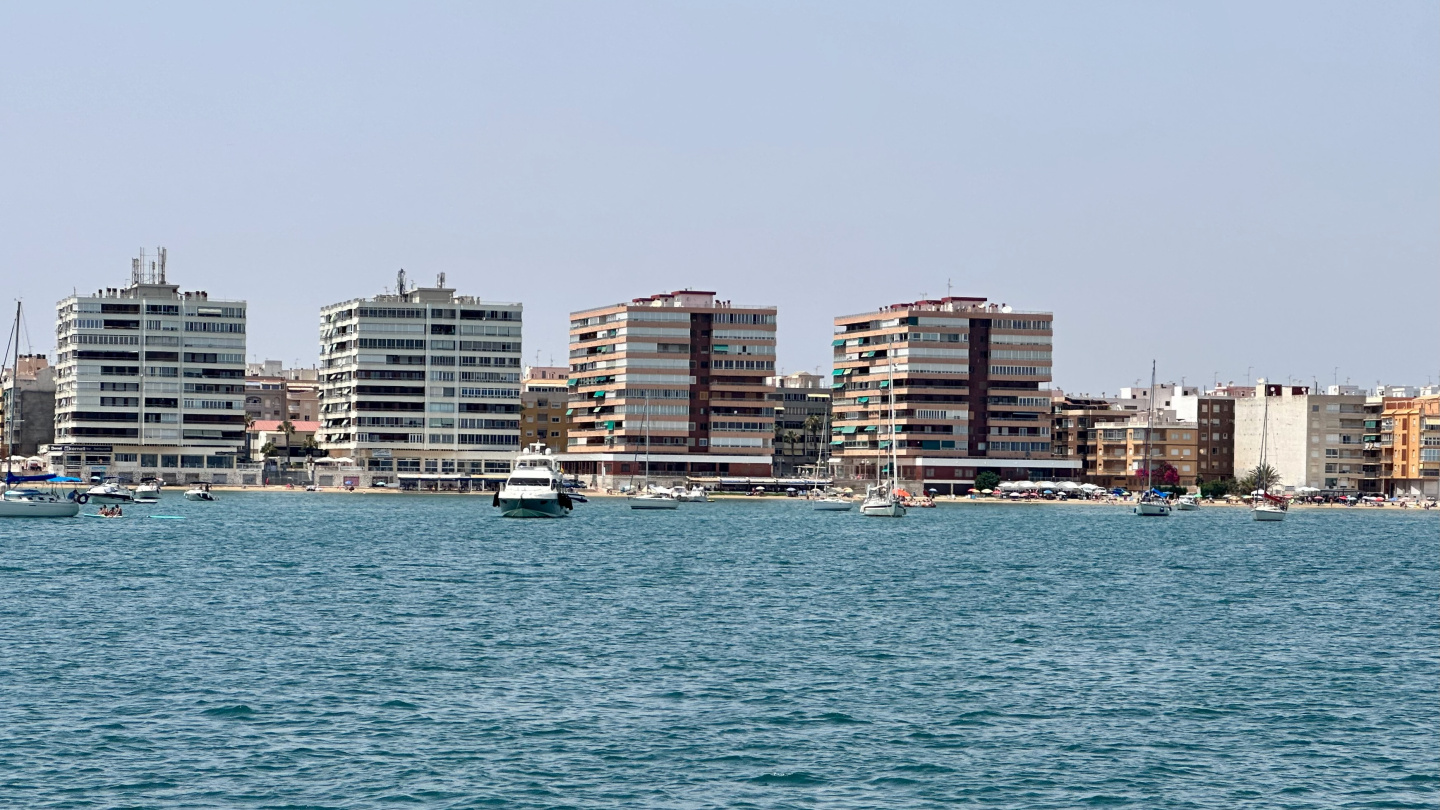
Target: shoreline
<point>719,497</point>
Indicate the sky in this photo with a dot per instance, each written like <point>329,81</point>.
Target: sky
<point>1232,189</point>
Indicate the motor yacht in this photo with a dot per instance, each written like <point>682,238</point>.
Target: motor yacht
<point>535,488</point>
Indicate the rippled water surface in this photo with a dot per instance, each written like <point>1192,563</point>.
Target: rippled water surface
<point>283,650</point>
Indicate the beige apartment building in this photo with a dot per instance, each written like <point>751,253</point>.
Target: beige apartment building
<point>544,407</point>
<point>681,375</point>
<point>1122,461</point>
<point>1313,440</point>
<point>970,391</point>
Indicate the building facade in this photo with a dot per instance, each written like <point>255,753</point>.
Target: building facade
<point>150,382</point>
<point>1214,418</point>
<point>1173,458</point>
<point>680,375</point>
<point>27,405</point>
<point>1409,441</point>
<point>421,388</point>
<point>1074,421</point>
<point>545,407</point>
<point>970,391</point>
<point>1313,440</point>
<point>802,417</point>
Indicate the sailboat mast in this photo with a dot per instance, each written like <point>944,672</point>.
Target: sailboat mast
<point>894,453</point>
<point>646,479</point>
<point>1149,429</point>
<point>14,405</point>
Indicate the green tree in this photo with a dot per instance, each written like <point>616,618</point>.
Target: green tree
<point>1262,477</point>
<point>1218,489</point>
<point>987,480</point>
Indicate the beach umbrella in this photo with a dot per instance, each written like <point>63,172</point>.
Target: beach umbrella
<point>1027,485</point>
<point>789,489</point>
<point>987,492</point>
<point>1046,485</point>
<point>933,491</point>
<point>1069,485</point>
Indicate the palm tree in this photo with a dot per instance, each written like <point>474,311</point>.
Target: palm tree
<point>813,423</point>
<point>1262,477</point>
<point>790,438</point>
<point>289,438</point>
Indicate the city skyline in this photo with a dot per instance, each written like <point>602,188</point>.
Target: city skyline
<point>1214,203</point>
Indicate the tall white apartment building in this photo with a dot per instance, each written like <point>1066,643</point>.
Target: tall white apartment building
<point>422,387</point>
<point>150,381</point>
<point>1315,440</point>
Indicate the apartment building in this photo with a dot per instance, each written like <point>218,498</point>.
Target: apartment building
<point>802,417</point>
<point>1074,421</point>
<point>679,374</point>
<point>27,404</point>
<point>1214,417</point>
<point>1173,451</point>
<point>1409,441</point>
<point>1314,440</point>
<point>970,390</point>
<point>273,392</point>
<point>150,381</point>
<point>421,387</point>
<point>545,407</point>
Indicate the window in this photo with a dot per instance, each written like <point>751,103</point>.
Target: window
<point>123,457</point>
<point>407,465</point>
<point>148,460</point>
<point>192,461</point>
<point>169,461</point>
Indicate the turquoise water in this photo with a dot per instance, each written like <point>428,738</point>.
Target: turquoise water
<point>294,650</point>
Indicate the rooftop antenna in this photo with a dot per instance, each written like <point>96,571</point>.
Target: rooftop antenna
<point>947,288</point>
<point>164,254</point>
<point>400,282</point>
<point>440,281</point>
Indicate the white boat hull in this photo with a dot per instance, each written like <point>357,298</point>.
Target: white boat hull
<point>833,506</point>
<point>199,496</point>
<point>538,507</point>
<point>882,510</point>
<point>39,509</point>
<point>1267,513</point>
<point>1145,509</point>
<point>654,503</point>
<point>1187,507</point>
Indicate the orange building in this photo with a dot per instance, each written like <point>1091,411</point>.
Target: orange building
<point>1410,445</point>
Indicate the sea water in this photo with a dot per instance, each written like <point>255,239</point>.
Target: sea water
<point>347,650</point>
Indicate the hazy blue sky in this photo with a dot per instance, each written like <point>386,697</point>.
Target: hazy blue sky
<point>1220,186</point>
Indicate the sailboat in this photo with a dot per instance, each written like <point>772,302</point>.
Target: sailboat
<point>25,501</point>
<point>1152,503</point>
<point>647,498</point>
<point>832,502</point>
<point>1266,506</point>
<point>881,499</point>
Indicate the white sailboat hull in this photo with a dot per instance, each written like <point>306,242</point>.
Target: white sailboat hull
<point>645,502</point>
<point>1146,509</point>
<point>1267,512</point>
<point>833,506</point>
<point>882,509</point>
<point>38,509</point>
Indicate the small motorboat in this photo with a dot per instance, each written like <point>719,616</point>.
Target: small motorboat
<point>199,492</point>
<point>694,494</point>
<point>111,491</point>
<point>1187,503</point>
<point>149,489</point>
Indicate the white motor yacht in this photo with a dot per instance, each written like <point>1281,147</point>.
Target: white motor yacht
<point>535,488</point>
<point>108,492</point>
<point>833,503</point>
<point>149,489</point>
<point>1187,503</point>
<point>694,494</point>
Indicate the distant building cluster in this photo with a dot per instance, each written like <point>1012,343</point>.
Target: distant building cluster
<point>425,388</point>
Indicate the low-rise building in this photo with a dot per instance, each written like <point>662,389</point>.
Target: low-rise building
<point>545,407</point>
<point>283,440</point>
<point>27,405</point>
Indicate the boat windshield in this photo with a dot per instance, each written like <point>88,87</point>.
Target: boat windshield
<point>526,481</point>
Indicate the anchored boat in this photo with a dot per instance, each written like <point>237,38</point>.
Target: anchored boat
<point>535,488</point>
